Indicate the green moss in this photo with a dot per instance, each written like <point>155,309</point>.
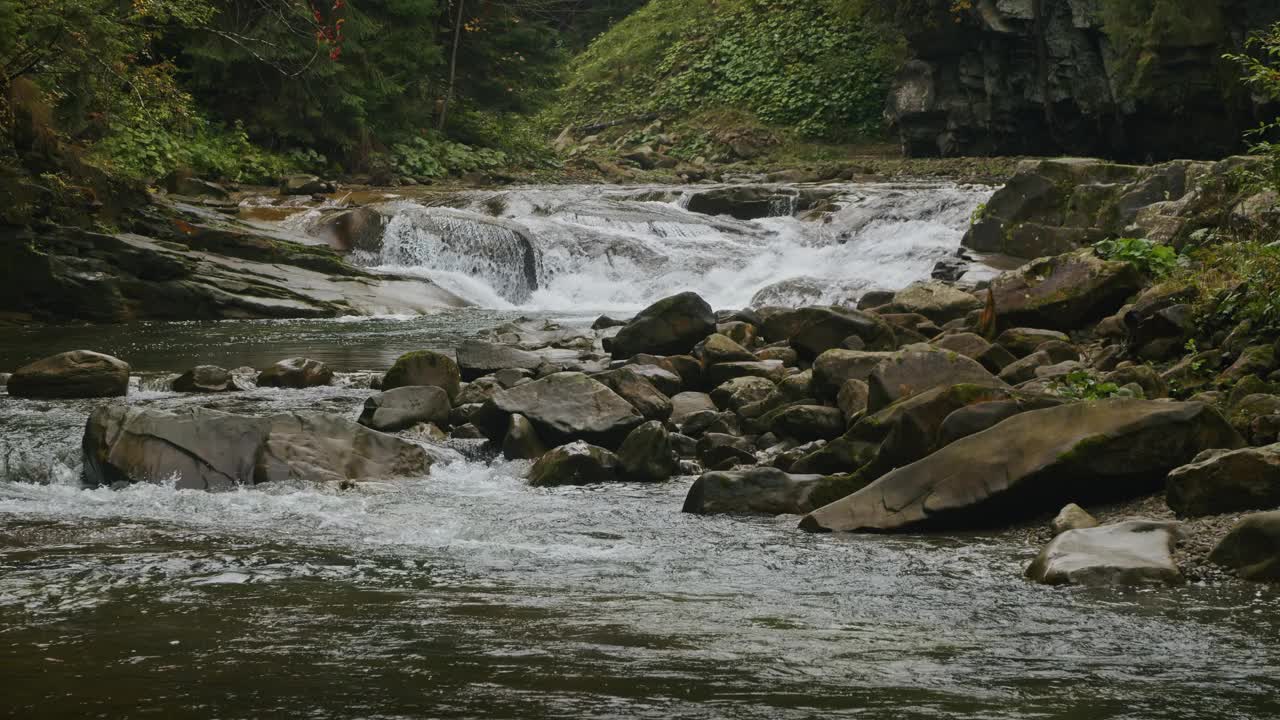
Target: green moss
<point>836,487</point>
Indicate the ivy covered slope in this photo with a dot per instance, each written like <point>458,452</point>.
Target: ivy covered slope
<point>735,78</point>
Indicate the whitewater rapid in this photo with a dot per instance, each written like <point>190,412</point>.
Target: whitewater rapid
<point>564,249</point>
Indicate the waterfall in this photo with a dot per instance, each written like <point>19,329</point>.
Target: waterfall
<point>571,248</point>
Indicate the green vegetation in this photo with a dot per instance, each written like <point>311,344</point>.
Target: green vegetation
<point>1236,280</point>
<point>1152,259</point>
<point>792,64</point>
<point>1082,385</point>
<point>1262,74</point>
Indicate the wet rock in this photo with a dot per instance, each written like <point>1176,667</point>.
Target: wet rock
<point>937,301</point>
<point>356,230</point>
<point>742,202</point>
<point>671,326</point>
<point>770,370</point>
<point>466,432</point>
<point>669,374</point>
<point>684,446</point>
<point>743,333</point>
<point>478,391</point>
<point>721,451</point>
<point>740,392</point>
<point>1035,462</point>
<point>809,422</point>
<point>647,454</point>
<point>511,377</point>
<point>853,399</point>
<point>404,407</point>
<point>209,450</point>
<point>193,187</point>
<point>296,373</point>
<point>605,322</point>
<point>913,371</point>
<point>1218,482</point>
<point>1021,371</point>
<point>522,441</point>
<point>1072,517</point>
<point>784,355</point>
<point>75,374</point>
<point>477,358</point>
<point>1136,552</point>
<point>206,379</point>
<point>305,185</point>
<point>686,404</point>
<point>563,407</point>
<point>834,368</point>
<point>1024,341</point>
<point>819,329</point>
<point>636,389</point>
<point>425,368</point>
<point>973,346</point>
<point>577,463</point>
<point>717,348</point>
<point>1252,548</point>
<point>759,490</point>
<point>1063,292</point>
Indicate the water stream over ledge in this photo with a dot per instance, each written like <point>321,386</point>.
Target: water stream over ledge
<point>468,594</point>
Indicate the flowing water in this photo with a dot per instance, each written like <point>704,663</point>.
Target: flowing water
<point>468,594</point>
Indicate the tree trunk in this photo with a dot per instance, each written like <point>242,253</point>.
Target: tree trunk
<point>453,66</point>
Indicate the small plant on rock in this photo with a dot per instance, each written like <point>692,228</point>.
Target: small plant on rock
<point>1082,385</point>
<point>1152,259</point>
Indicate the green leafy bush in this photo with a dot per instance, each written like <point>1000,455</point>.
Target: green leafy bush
<point>433,157</point>
<point>1262,74</point>
<point>1082,385</point>
<point>1153,259</point>
<point>148,151</point>
<point>1237,280</point>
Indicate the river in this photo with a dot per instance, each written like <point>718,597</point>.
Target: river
<point>468,594</point>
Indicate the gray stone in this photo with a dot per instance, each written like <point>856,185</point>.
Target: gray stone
<point>404,407</point>
<point>1252,548</point>
<point>647,454</point>
<point>577,463</point>
<point>563,407</point>
<point>296,373</point>
<point>1072,517</point>
<point>425,368</point>
<point>671,326</point>
<point>522,441</point>
<point>75,374</point>
<point>1135,552</point>
<point>1219,482</point>
<point>759,490</point>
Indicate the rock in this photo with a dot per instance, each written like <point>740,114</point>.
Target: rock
<point>937,301</point>
<point>577,463</point>
<point>719,451</point>
<point>759,490</point>
<point>186,185</point>
<point>477,358</point>
<point>671,326</point>
<point>1145,376</point>
<point>740,392</point>
<point>1254,360</point>
<point>210,450</point>
<point>717,348</point>
<point>819,329</point>
<point>605,322</point>
<point>478,391</point>
<point>770,370</point>
<point>809,422</point>
<point>834,368</point>
<point>743,202</point>
<point>913,371</point>
<point>562,408</point>
<point>75,374</point>
<point>687,404</point>
<point>647,454</point>
<point>633,387</point>
<point>305,185</point>
<point>521,441</point>
<point>511,377</point>
<point>853,399</point>
<point>403,407</point>
<point>1021,342</point>
<point>425,368</point>
<point>1063,292</point>
<point>296,373</point>
<point>1021,371</point>
<point>973,419</point>
<point>466,432</point>
<point>668,377</point>
<point>973,346</point>
<point>1035,462</point>
<point>743,333</point>
<point>784,355</point>
<point>1135,552</point>
<point>1218,482</point>
<point>206,379</point>
<point>356,230</point>
<point>1072,517</point>
<point>1252,548</point>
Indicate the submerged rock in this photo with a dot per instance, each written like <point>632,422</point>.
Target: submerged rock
<point>671,326</point>
<point>296,373</point>
<point>205,449</point>
<point>75,374</point>
<point>1252,548</point>
<point>1136,552</point>
<point>577,463</point>
<point>404,407</point>
<point>1034,462</point>
<point>760,490</point>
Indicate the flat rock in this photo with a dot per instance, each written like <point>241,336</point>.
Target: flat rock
<point>1220,482</point>
<point>425,368</point>
<point>404,407</point>
<point>1135,552</point>
<point>760,490</point>
<point>477,358</point>
<point>562,407</point>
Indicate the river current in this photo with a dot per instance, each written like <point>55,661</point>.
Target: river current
<point>468,594</point>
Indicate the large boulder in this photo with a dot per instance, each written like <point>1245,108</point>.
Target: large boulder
<point>808,422</point>
<point>647,454</point>
<point>686,404</point>
<point>75,374</point>
<point>1035,462</point>
<point>1222,482</point>
<point>522,441</point>
<point>205,379</point>
<point>577,463</point>
<point>425,368</point>
<point>759,490</point>
<point>1063,292</point>
<point>1252,548</point>
<point>636,389</point>
<point>920,368</point>
<point>477,358</point>
<point>819,329</point>
<point>404,407</point>
<point>744,202</point>
<point>937,301</point>
<point>204,449</point>
<point>296,373</point>
<point>717,348</point>
<point>834,368</point>
<point>738,393</point>
<point>671,326</point>
<point>1135,552</point>
<point>562,407</point>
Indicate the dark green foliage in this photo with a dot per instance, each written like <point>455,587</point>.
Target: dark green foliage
<point>1152,259</point>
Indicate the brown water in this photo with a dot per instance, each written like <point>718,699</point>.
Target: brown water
<point>468,594</point>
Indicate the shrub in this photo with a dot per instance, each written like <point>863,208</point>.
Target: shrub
<point>1082,385</point>
<point>1152,259</point>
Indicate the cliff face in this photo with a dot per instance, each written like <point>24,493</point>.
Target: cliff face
<point>1129,79</point>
